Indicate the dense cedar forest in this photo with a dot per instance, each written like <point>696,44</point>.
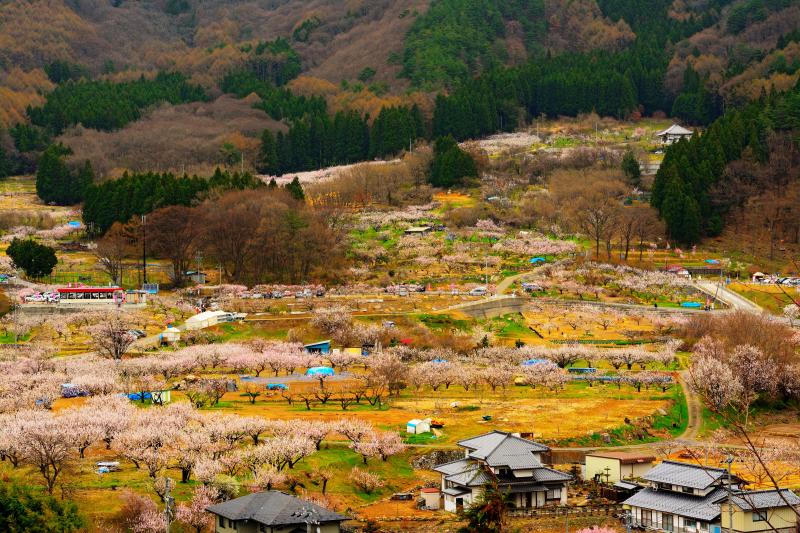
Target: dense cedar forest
<point>106,105</point>
<point>463,69</point>
<point>138,194</point>
<point>695,189</point>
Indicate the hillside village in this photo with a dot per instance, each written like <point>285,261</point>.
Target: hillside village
<point>452,266</point>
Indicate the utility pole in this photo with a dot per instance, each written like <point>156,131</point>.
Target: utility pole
<point>169,501</point>
<point>199,258</point>
<point>729,460</point>
<point>144,249</point>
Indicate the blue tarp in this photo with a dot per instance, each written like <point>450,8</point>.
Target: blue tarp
<point>74,224</point>
<point>692,305</point>
<point>576,370</point>
<point>538,260</point>
<point>439,361</point>
<point>138,397</point>
<point>313,371</point>
<point>277,386</point>
<point>712,261</point>
<point>531,362</point>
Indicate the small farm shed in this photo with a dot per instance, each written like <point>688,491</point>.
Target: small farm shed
<point>611,467</point>
<point>417,426</point>
<point>431,498</point>
<point>201,278</point>
<point>321,347</point>
<point>170,335</point>
<point>205,319</point>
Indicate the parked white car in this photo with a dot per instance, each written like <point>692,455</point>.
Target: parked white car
<point>479,291</point>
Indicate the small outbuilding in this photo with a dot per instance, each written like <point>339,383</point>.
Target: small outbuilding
<point>321,347</point>
<point>170,335</point>
<point>417,426</point>
<point>673,134</point>
<point>611,467</point>
<point>206,319</point>
<point>431,498</point>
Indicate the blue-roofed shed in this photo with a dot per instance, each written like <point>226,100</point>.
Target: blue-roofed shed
<point>323,347</point>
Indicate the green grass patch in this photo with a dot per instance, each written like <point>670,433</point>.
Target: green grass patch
<point>442,322</point>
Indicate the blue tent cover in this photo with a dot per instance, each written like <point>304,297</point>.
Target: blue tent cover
<point>692,305</point>
<point>277,386</point>
<point>538,260</point>
<point>531,362</point>
<point>439,361</point>
<point>313,371</point>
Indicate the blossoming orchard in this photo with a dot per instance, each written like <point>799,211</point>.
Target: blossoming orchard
<point>409,358</point>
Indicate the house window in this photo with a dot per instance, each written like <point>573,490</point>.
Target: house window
<point>667,523</point>
<point>690,524</point>
<point>688,490</point>
<point>703,526</point>
<point>554,494</point>
<point>221,521</point>
<point>665,486</point>
<point>759,516</point>
<point>647,517</point>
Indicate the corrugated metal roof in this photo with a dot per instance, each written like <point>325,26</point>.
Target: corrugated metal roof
<point>765,499</point>
<point>684,474</point>
<point>695,507</point>
<point>625,457</point>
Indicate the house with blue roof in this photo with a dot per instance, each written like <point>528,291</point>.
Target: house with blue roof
<point>516,464</point>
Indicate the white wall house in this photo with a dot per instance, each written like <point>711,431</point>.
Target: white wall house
<point>515,462</point>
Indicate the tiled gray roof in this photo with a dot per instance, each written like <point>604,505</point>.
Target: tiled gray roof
<point>515,453</point>
<point>272,508</point>
<point>548,474</point>
<point>684,474</point>
<point>474,476</point>
<point>453,467</point>
<point>499,448</point>
<point>764,499</point>
<point>706,509</point>
<point>455,491</point>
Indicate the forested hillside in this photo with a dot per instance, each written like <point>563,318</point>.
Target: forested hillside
<point>324,82</point>
<point>742,171</point>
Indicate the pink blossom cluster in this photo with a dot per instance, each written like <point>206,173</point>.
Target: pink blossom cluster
<point>529,244</point>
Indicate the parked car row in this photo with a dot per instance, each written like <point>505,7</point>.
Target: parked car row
<point>43,297</point>
<point>276,294</point>
<point>405,289</point>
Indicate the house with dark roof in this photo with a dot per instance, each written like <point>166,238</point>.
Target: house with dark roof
<point>273,512</point>
<point>680,497</point>
<point>761,510</point>
<point>515,463</point>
